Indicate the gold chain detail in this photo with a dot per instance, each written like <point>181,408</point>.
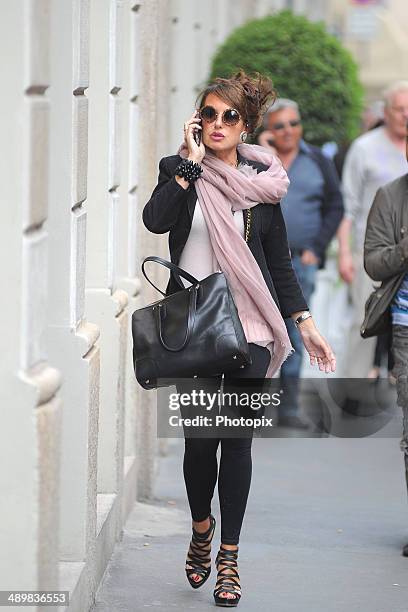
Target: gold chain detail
<point>248,226</point>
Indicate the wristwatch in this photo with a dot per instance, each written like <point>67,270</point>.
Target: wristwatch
<point>305,315</point>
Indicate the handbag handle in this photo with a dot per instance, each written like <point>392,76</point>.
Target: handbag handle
<point>171,266</point>
<point>192,307</point>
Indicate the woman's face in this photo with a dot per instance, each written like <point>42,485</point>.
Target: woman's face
<point>218,136</point>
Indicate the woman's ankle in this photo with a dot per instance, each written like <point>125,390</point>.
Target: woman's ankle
<point>202,526</point>
<point>233,547</point>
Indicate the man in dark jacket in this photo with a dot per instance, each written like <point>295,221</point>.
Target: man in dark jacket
<point>386,260</point>
<point>312,209</point>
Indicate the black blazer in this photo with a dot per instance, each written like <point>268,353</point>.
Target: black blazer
<point>171,209</point>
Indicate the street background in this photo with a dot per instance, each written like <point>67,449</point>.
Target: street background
<point>323,531</point>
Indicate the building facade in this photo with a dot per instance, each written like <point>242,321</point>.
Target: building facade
<point>374,31</point>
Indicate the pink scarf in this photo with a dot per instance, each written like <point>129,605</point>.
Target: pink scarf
<point>220,189</point>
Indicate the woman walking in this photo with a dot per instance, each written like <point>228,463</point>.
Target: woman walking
<point>219,199</point>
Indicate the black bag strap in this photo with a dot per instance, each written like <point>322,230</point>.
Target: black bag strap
<point>192,307</point>
<point>171,266</point>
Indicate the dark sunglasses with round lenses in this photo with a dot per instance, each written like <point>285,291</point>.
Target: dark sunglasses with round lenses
<point>230,116</point>
<point>281,124</point>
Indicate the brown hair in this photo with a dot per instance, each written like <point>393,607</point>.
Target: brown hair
<point>250,95</point>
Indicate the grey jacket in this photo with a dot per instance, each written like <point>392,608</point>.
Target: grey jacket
<point>386,237</point>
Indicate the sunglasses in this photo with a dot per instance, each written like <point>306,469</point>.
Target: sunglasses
<point>230,116</point>
<point>281,124</point>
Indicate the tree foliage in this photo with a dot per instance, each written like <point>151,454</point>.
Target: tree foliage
<point>306,64</point>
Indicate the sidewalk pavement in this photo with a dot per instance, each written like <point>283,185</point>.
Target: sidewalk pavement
<point>325,523</point>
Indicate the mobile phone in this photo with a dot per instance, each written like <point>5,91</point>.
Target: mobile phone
<point>197,134</point>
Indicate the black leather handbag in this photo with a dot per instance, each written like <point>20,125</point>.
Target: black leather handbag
<point>377,318</point>
<point>377,315</point>
<point>195,332</point>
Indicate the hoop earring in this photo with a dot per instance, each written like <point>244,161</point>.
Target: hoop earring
<point>243,136</point>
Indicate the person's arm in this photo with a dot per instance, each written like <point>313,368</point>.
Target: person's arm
<point>290,296</point>
<point>332,208</point>
<point>169,196</point>
<point>320,351</point>
<point>161,212</point>
<point>278,260</point>
<point>352,186</point>
<point>383,257</point>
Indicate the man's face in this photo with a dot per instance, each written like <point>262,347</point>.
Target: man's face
<point>286,128</point>
<point>396,114</point>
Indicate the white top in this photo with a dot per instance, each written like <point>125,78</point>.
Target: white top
<point>198,257</point>
<point>371,162</point>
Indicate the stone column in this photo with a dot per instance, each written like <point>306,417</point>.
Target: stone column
<point>183,76</point>
<point>71,338</point>
<point>105,302</point>
<point>128,264</point>
<point>148,244</point>
<point>30,402</point>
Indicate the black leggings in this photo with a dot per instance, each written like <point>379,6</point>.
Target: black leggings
<point>234,477</point>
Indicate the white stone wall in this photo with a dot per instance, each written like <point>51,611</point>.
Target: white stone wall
<point>30,399</point>
<point>73,425</point>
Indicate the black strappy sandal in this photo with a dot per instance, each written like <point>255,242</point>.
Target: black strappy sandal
<point>227,582</point>
<point>199,554</point>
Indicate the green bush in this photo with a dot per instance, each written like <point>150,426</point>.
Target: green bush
<point>306,64</point>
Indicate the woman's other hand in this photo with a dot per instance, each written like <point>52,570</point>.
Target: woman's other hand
<point>319,350</point>
<point>195,152</point>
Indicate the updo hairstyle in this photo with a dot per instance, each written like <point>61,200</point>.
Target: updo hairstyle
<point>249,95</point>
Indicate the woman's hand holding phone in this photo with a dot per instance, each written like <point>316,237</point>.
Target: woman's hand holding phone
<point>192,138</point>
